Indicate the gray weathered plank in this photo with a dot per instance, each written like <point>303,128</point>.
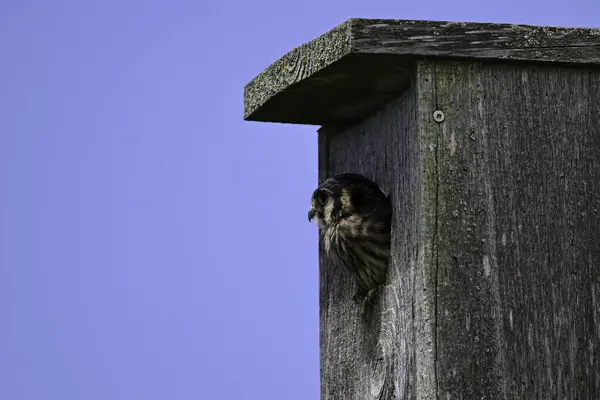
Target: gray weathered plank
<point>518,233</point>
<point>354,69</point>
<point>374,360</point>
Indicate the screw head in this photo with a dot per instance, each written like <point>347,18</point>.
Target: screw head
<point>438,116</point>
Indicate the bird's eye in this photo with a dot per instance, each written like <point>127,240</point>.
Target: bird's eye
<point>321,197</point>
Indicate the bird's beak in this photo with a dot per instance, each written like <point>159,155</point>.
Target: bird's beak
<point>311,214</point>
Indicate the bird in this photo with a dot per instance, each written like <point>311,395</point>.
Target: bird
<point>354,217</point>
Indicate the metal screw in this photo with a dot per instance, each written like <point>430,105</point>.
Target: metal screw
<point>438,116</point>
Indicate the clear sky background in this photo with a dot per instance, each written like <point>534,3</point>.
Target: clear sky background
<point>153,245</point>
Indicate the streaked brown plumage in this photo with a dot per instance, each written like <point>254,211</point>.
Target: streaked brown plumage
<point>354,218</point>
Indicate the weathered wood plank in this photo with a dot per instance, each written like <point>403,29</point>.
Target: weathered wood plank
<point>354,69</point>
<point>518,233</point>
<point>425,316</point>
<point>477,41</point>
<point>375,360</point>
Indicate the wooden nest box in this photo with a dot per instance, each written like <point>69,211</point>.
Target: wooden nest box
<point>487,136</point>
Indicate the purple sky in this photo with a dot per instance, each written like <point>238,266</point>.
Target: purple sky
<point>153,245</point>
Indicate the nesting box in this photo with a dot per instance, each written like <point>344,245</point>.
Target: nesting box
<point>487,137</point>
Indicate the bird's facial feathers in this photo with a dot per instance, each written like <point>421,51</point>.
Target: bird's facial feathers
<point>322,204</point>
<point>354,217</point>
<point>341,197</point>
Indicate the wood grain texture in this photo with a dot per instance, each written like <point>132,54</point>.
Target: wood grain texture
<point>518,243</point>
<point>494,288</point>
<point>357,67</point>
<point>375,360</point>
